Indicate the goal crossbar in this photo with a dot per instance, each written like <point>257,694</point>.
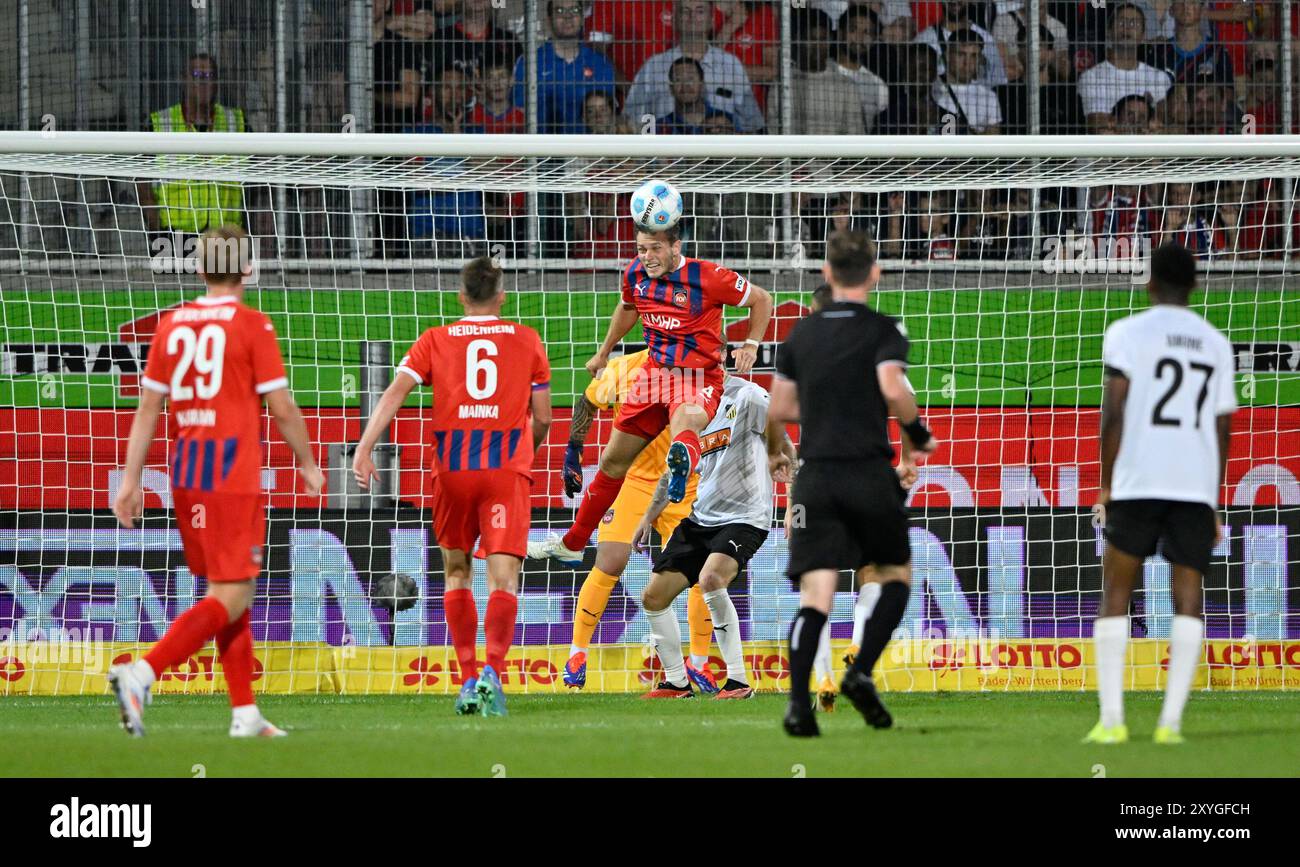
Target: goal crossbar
<point>712,164</point>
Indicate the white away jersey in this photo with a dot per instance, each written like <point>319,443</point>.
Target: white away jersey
<point>735,486</point>
<point>1180,373</point>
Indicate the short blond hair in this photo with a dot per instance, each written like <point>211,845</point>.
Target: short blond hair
<point>225,256</point>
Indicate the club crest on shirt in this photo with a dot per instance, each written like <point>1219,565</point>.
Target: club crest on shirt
<point>609,517</point>
<point>679,297</point>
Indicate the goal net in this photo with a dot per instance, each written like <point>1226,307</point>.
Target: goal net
<point>1005,258</point>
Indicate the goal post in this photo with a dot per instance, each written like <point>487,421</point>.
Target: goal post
<point>1005,257</point>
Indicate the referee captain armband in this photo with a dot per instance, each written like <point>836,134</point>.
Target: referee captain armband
<point>917,432</point>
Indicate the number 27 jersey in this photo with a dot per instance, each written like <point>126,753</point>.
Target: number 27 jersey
<point>214,358</point>
<point>483,371</point>
<point>1180,374</point>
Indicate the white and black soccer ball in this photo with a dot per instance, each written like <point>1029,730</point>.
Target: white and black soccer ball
<point>656,206</point>
<point>395,591</point>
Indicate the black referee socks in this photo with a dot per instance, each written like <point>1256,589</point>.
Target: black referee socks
<point>805,633</point>
<point>884,619</point>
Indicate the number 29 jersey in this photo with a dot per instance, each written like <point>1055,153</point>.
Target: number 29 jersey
<point>1180,374</point>
<point>483,371</point>
<point>214,358</point>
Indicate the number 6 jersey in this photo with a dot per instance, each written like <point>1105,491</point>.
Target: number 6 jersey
<point>483,371</point>
<point>1180,374</point>
<point>214,358</point>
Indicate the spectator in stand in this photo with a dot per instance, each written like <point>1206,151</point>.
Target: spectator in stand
<point>494,110</point>
<point>823,101</point>
<point>401,64</point>
<point>630,32</point>
<point>1011,33</point>
<point>1059,112</point>
<point>1119,221</point>
<point>181,210</point>
<point>973,106</point>
<point>1191,53</point>
<point>567,71</point>
<point>453,220</point>
<point>1262,97</point>
<point>930,232</point>
<point>471,40</point>
<point>896,22</point>
<point>1211,111</point>
<point>726,85</point>
<point>912,109</point>
<point>1122,73</point>
<point>600,115</point>
<point>956,17</point>
<point>603,232</point>
<point>690,114</point>
<point>1135,115</point>
<point>1181,222</point>
<point>750,31</point>
<point>858,31</point>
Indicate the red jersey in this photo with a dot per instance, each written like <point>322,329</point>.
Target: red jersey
<point>681,312</point>
<point>630,32</point>
<point>483,371</point>
<point>214,358</point>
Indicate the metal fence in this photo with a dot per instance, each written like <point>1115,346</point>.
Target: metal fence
<point>670,68</point>
<point>798,67</point>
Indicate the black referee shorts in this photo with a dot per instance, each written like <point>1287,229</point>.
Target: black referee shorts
<point>691,544</point>
<point>1182,532</point>
<point>852,516</point>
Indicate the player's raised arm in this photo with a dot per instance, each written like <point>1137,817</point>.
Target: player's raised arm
<point>620,323</point>
<point>759,302</point>
<point>363,467</point>
<point>129,502</point>
<point>288,418</point>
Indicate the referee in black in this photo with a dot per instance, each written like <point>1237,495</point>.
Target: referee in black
<point>841,374</point>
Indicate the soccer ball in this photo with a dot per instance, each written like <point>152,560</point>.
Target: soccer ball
<point>656,206</point>
<point>395,591</point>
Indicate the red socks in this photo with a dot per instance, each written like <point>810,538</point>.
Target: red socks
<point>235,646</point>
<point>187,634</point>
<point>462,623</point>
<point>600,495</point>
<point>691,440</point>
<point>499,627</point>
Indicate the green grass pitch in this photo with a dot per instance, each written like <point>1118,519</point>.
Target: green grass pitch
<point>953,734</point>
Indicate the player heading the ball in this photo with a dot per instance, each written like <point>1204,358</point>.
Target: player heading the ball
<point>679,302</point>
<point>215,360</point>
<point>491,385</point>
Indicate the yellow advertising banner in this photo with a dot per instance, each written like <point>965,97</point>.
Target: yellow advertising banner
<point>75,668</point>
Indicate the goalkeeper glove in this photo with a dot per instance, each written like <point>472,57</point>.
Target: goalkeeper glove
<point>572,470</point>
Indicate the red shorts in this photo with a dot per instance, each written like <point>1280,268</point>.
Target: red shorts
<point>223,534</point>
<point>655,393</point>
<point>492,504</point>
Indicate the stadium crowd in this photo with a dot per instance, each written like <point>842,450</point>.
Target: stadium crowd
<point>883,66</point>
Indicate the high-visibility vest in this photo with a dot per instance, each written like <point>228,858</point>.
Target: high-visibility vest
<point>195,206</point>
